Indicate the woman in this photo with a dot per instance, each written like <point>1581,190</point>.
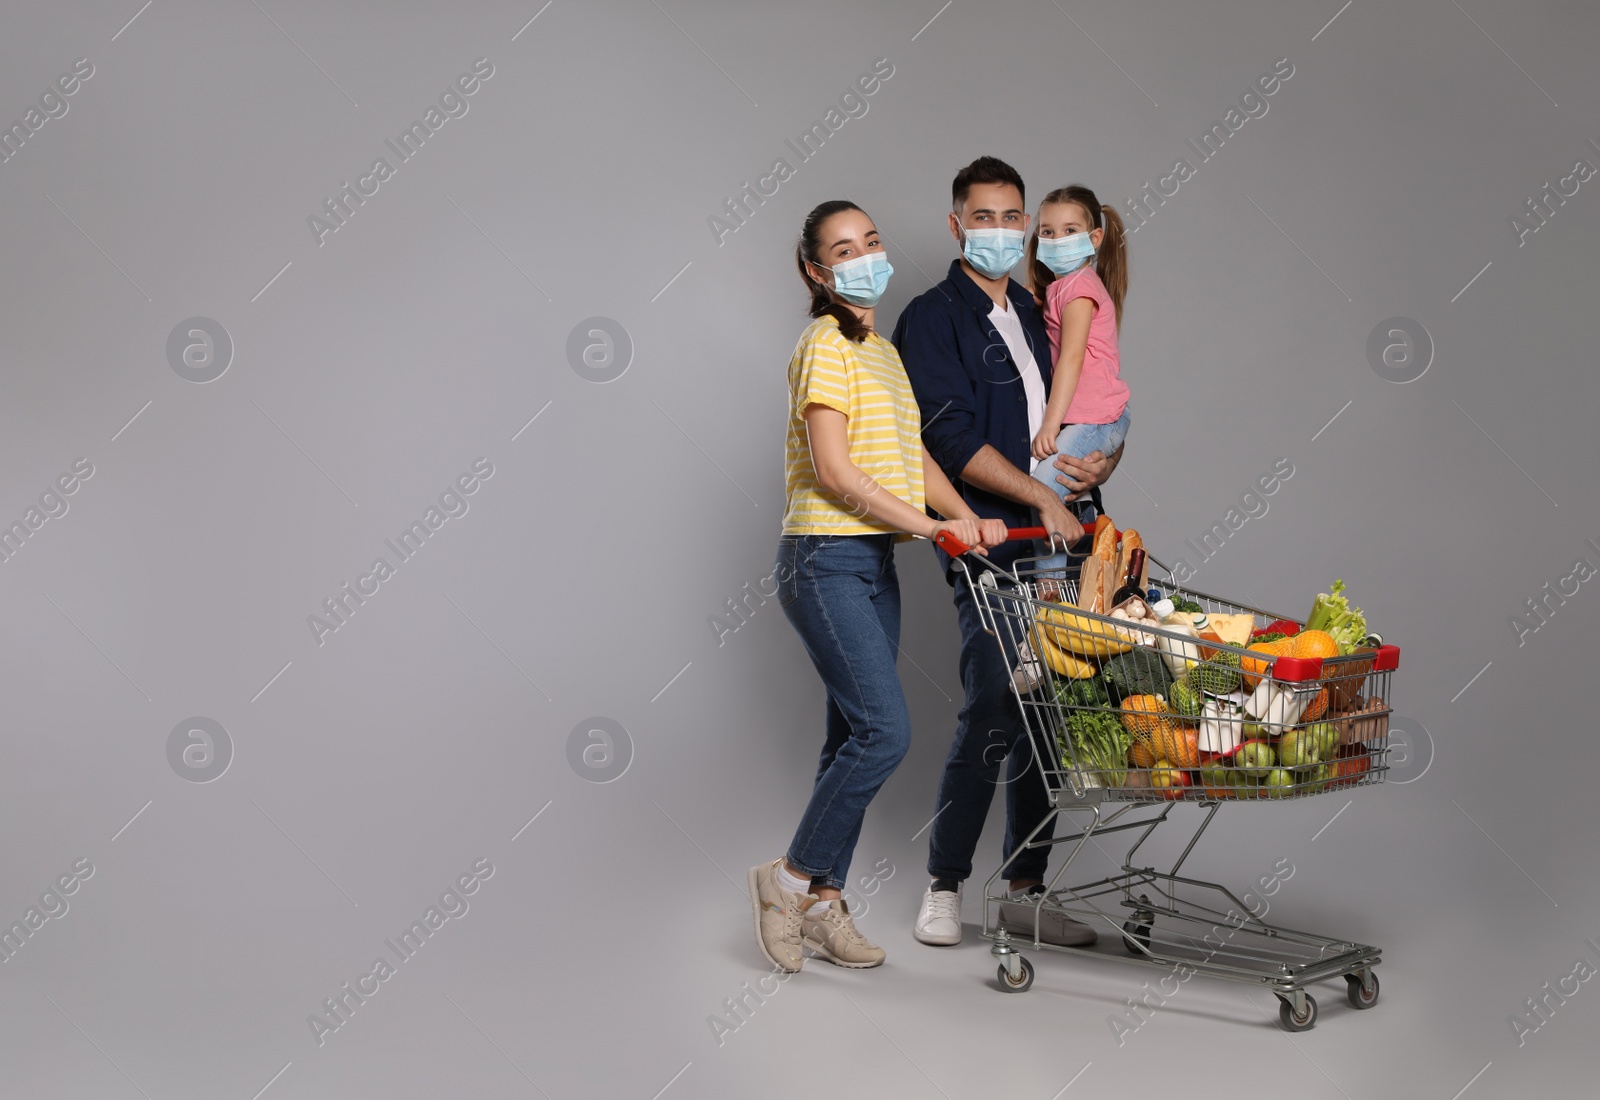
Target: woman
<point>857,480</point>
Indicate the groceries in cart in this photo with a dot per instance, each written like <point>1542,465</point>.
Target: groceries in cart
<point>1167,693</point>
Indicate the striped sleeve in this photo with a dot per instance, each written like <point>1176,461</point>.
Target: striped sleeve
<point>818,375</point>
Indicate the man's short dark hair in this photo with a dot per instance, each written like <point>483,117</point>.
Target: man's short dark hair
<point>985,170</point>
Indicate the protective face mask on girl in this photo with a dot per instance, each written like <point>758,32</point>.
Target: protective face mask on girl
<point>861,281</point>
<point>993,251</point>
<point>1064,255</point>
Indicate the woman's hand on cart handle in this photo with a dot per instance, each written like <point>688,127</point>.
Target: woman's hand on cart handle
<point>955,547</point>
<point>964,533</point>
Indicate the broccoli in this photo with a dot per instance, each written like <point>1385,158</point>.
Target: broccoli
<point>1140,671</point>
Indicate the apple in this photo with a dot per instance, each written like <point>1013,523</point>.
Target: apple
<point>1278,782</point>
<point>1170,781</point>
<point>1254,758</point>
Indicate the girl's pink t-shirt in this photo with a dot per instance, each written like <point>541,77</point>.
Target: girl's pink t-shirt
<point>1101,395</point>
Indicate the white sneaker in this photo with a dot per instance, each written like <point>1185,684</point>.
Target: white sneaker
<point>939,922</point>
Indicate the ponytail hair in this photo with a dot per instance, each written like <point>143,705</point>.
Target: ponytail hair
<point>1111,258</point>
<point>807,250</point>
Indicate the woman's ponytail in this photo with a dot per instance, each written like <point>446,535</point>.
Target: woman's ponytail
<point>807,250</point>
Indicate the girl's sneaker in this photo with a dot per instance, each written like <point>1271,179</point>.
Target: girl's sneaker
<point>778,913</point>
<point>829,931</point>
<point>1029,673</point>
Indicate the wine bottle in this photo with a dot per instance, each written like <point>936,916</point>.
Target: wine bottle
<point>1130,583</point>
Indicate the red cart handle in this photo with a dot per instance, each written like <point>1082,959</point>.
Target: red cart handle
<point>955,547</point>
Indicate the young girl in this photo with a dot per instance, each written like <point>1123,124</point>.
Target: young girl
<point>1088,406</point>
<point>857,479</point>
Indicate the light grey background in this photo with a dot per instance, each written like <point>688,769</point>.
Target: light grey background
<point>368,772</point>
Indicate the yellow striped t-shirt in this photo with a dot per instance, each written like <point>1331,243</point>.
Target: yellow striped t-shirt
<point>868,383</point>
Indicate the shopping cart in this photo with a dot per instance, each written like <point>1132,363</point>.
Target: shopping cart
<point>1286,709</point>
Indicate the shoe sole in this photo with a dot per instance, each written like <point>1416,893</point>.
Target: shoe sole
<point>934,941</point>
<point>824,953</point>
<point>755,906</point>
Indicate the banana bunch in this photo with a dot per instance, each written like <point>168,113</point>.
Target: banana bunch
<point>1072,633</point>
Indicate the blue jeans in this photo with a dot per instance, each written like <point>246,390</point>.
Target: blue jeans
<point>841,594</point>
<point>990,729</point>
<point>1077,440</point>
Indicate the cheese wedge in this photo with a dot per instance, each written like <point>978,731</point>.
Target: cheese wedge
<point>1233,629</point>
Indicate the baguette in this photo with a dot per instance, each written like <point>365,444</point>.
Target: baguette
<point>1130,542</point>
<point>1105,540</point>
<point>1090,597</point>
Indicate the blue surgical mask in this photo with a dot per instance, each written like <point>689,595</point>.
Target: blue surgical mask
<point>994,252</point>
<point>1064,255</point>
<point>861,281</point>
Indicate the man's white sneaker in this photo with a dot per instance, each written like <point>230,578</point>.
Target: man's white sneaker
<point>939,922</point>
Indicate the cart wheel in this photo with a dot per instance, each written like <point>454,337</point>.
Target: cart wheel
<point>1358,997</point>
<point>1024,982</point>
<point>1133,932</point>
<point>1290,1021</point>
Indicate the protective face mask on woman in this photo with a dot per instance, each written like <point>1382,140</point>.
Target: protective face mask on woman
<point>1064,255</point>
<point>861,281</point>
<point>993,252</point>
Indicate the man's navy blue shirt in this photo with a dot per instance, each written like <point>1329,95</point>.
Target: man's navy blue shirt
<point>969,389</point>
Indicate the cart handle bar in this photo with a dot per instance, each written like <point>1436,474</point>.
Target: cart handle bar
<point>955,547</point>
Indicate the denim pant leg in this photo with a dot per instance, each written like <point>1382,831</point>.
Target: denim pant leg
<point>843,599</point>
<point>836,729</point>
<point>990,727</point>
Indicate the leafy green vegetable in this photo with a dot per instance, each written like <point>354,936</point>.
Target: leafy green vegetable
<point>1333,614</point>
<point>1099,741</point>
<point>1140,671</point>
<point>1089,692</point>
<point>1268,636</point>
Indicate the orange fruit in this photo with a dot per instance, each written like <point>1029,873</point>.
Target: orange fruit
<point>1313,643</point>
<point>1140,754</point>
<point>1141,714</point>
<point>1254,668</point>
<point>1316,708</point>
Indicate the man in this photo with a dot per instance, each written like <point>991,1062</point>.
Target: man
<point>978,357</point>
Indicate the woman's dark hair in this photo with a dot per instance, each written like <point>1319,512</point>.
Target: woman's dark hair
<point>808,250</point>
<point>984,170</point>
<point>1111,258</point>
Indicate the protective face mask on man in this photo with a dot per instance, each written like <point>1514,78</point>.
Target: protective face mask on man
<point>862,281</point>
<point>1064,255</point>
<point>994,252</point>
